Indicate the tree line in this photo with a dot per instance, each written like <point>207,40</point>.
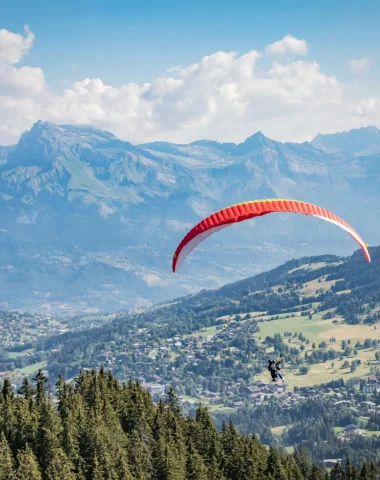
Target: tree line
<point>96,428</point>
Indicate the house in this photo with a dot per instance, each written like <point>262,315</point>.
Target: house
<point>331,462</point>
<point>369,388</point>
<point>261,383</point>
<point>254,389</point>
<point>343,402</point>
<point>372,379</point>
<point>351,427</point>
<point>352,433</point>
<point>352,430</point>
<point>367,405</point>
<point>156,389</point>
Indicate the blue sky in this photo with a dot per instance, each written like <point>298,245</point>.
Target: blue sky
<point>326,79</point>
<point>122,41</point>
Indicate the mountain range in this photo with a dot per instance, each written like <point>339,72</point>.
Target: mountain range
<point>89,222</point>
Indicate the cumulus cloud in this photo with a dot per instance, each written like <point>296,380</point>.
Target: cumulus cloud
<point>16,82</point>
<point>13,46</point>
<point>369,107</point>
<point>360,65</point>
<point>21,81</point>
<point>226,96</point>
<point>288,44</point>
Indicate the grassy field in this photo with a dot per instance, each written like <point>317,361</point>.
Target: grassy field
<point>338,430</point>
<point>312,329</point>
<point>310,288</point>
<point>32,369</point>
<point>289,450</point>
<point>310,266</point>
<point>318,330</point>
<point>220,408</point>
<point>20,354</point>
<point>278,431</point>
<point>205,332</point>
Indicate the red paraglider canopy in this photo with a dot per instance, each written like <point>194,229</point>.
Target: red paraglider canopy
<point>256,208</point>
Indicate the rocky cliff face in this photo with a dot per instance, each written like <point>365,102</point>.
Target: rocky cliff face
<point>90,222</point>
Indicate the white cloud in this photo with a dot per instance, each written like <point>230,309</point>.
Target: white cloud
<point>21,81</point>
<point>225,96</point>
<point>360,65</point>
<point>369,107</point>
<point>14,46</point>
<point>288,44</point>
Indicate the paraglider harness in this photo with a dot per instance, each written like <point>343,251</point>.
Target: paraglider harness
<point>274,368</point>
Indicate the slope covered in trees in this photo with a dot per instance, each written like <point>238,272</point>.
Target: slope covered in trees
<point>101,429</point>
<point>349,289</point>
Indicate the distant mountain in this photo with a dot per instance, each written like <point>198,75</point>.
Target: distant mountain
<point>89,222</point>
<point>359,142</point>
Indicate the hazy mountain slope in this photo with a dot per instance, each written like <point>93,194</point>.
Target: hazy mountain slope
<point>90,222</point>
<point>360,141</point>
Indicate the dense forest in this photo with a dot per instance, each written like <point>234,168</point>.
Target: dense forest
<point>101,429</point>
<point>310,426</point>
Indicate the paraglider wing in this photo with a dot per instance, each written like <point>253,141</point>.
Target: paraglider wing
<point>257,208</point>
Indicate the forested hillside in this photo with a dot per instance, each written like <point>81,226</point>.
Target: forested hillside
<point>347,290</point>
<point>101,429</point>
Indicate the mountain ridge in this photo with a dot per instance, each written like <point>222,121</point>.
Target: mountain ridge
<point>85,215</point>
<point>362,141</point>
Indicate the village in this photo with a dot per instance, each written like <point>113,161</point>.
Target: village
<point>209,367</point>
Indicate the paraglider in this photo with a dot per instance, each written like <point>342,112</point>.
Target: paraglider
<point>257,208</point>
<point>274,368</point>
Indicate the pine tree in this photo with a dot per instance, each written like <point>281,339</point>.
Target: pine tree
<point>316,473</point>
<point>337,472</point>
<point>7,390</point>
<point>40,389</point>
<point>97,472</point>
<point>122,468</point>
<point>26,390</point>
<point>274,468</point>
<point>59,466</point>
<point>364,473</point>
<point>232,452</point>
<point>349,471</point>
<point>372,472</point>
<point>169,462</point>
<point>7,471</point>
<point>28,468</point>
<point>195,467</point>
<point>249,470</point>
<point>207,441</point>
<point>71,412</point>
<point>53,461</point>
<point>302,459</point>
<point>140,453</point>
